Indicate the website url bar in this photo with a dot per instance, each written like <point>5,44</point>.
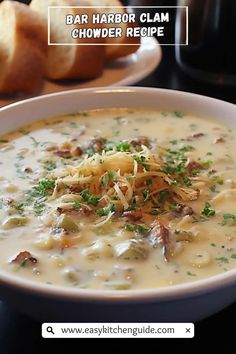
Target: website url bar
<point>117,330</point>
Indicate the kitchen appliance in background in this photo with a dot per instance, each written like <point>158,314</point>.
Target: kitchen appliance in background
<point>211,53</point>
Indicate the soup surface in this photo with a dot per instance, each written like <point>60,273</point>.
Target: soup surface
<point>118,199</point>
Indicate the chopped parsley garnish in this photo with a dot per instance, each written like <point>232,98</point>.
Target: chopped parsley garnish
<point>229,219</point>
<point>34,141</point>
<point>23,263</point>
<point>173,207</point>
<point>222,259</point>
<point>145,194</point>
<point>138,148</point>
<point>173,142</point>
<point>105,211</point>
<point>130,227</point>
<point>50,165</point>
<point>43,189</point>
<point>142,229</point>
<point>208,211</point>
<point>218,180</point>
<point>187,181</point>
<point>38,204</point>
<point>168,169</point>
<point>186,148</point>
<point>233,255</point>
<point>77,206</point>
<point>109,145</point>
<point>114,197</point>
<point>108,177</point>
<point>195,172</point>
<point>179,114</point>
<point>191,274</point>
<point>206,164</point>
<point>148,182</point>
<point>175,162</point>
<point>213,189</point>
<point>123,146</point>
<point>90,199</point>
<point>19,206</point>
<point>105,180</point>
<point>141,160</point>
<point>213,244</point>
<point>39,207</point>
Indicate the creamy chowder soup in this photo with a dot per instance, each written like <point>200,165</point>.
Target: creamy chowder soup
<point>118,199</point>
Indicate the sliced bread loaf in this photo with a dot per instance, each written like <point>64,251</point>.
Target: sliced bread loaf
<point>117,49</point>
<point>23,48</point>
<point>69,61</point>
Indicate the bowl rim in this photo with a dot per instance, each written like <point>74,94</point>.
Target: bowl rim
<point>115,89</point>
<point>184,290</point>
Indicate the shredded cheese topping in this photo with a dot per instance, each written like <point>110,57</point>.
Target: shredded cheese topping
<point>120,178</point>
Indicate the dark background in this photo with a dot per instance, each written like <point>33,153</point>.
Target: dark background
<point>22,335</point>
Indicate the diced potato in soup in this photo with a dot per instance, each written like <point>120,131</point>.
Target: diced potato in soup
<point>118,199</point>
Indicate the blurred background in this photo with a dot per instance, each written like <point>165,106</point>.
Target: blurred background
<point>211,54</point>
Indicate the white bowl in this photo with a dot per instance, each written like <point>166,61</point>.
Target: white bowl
<point>185,302</point>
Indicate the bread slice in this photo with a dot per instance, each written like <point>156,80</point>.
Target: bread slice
<point>23,48</point>
<point>73,61</point>
<point>116,50</point>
